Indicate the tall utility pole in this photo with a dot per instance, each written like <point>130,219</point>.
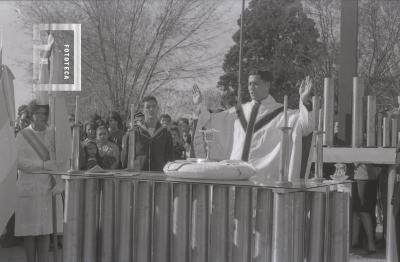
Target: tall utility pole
<point>347,65</point>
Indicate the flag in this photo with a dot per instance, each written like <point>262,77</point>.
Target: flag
<point>8,152</point>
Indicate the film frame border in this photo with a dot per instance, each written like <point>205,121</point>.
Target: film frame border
<point>76,28</point>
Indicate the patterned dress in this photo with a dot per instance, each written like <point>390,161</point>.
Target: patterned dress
<point>109,154</point>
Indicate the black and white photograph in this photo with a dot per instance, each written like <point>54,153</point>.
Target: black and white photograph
<point>199,131</point>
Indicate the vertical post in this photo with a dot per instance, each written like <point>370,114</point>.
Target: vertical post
<point>371,123</point>
<point>285,108</point>
<point>161,224</point>
<point>73,221</point>
<point>358,94</point>
<point>391,247</point>
<point>143,221</point>
<point>107,222</point>
<point>317,221</point>
<point>379,128</point>
<point>348,64</point>
<point>316,106</point>
<point>394,130</point>
<point>91,218</point>
<point>340,226</point>
<point>263,226</point>
<point>239,101</point>
<point>386,131</point>
<point>75,138</point>
<point>284,160</point>
<point>124,226</point>
<point>282,229</point>
<point>241,249</point>
<point>318,148</point>
<point>219,226</point>
<point>329,97</point>
<point>131,146</point>
<point>52,103</point>
<point>299,215</point>
<point>180,223</point>
<point>200,222</point>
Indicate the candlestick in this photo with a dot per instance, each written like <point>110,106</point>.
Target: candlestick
<point>316,105</point>
<point>394,131</point>
<point>379,130</point>
<point>76,109</point>
<point>285,106</point>
<point>132,146</point>
<point>320,119</point>
<point>329,97</point>
<point>358,94</point>
<point>132,115</point>
<point>386,131</point>
<point>75,138</point>
<point>371,123</point>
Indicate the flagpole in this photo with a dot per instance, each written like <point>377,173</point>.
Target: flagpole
<point>52,102</point>
<point>1,46</point>
<point>239,100</point>
<point>131,145</point>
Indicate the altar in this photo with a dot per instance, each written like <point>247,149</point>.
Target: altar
<point>147,216</point>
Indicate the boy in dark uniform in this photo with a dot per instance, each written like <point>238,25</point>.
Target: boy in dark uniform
<point>153,142</point>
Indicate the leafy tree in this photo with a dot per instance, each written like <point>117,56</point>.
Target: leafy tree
<point>278,36</point>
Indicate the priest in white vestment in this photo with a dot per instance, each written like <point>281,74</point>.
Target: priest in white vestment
<point>251,132</point>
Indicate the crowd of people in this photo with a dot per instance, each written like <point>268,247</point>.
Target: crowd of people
<point>104,140</point>
<point>105,144</point>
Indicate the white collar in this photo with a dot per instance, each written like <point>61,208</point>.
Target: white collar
<point>268,102</point>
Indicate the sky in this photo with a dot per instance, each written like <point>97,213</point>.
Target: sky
<point>17,51</point>
<point>17,45</point>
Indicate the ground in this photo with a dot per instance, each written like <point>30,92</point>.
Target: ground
<point>16,254</point>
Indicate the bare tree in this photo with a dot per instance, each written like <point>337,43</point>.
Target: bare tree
<point>379,56</point>
<point>131,48</point>
<point>326,14</point>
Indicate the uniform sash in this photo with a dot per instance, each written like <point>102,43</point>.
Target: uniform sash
<point>35,142</point>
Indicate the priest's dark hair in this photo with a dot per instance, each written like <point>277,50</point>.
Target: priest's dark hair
<point>34,106</point>
<point>265,75</point>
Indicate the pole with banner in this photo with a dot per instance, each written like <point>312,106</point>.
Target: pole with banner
<point>52,103</point>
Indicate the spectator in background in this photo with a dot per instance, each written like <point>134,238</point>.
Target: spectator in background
<point>186,137</point>
<point>92,156</point>
<point>114,122</point>
<point>153,142</point>
<point>108,151</point>
<point>184,127</point>
<point>139,118</point>
<point>94,118</point>
<point>23,118</point>
<point>166,120</point>
<point>177,141</point>
<point>71,118</point>
<point>183,124</point>
<point>364,202</point>
<point>90,131</point>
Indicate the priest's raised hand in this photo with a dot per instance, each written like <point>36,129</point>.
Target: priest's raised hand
<point>305,90</point>
<point>197,98</point>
